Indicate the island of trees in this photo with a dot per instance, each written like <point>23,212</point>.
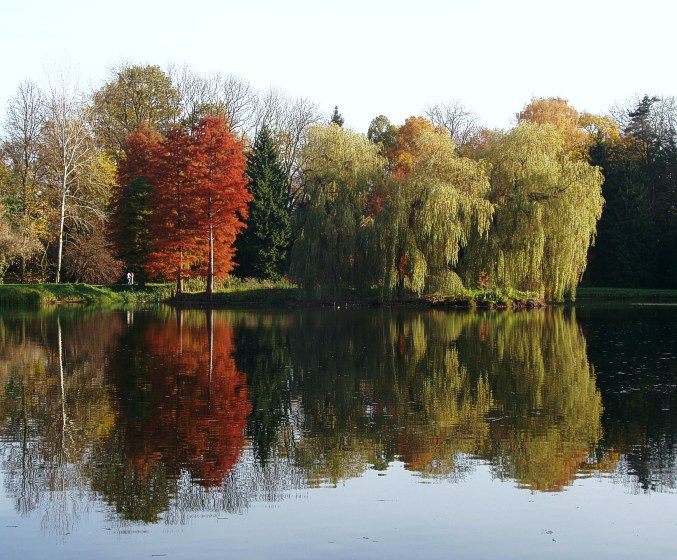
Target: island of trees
<point>171,175</point>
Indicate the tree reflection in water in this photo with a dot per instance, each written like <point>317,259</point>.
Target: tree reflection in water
<point>166,413</point>
<point>431,390</point>
<point>56,406</point>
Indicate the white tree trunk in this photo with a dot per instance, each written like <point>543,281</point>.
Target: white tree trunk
<point>62,219</point>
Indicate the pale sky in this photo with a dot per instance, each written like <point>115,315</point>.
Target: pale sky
<point>368,57</point>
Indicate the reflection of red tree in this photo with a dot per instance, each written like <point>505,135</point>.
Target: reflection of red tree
<point>200,404</point>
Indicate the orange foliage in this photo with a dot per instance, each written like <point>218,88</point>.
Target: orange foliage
<point>137,160</point>
<point>200,200</point>
<point>175,248</point>
<point>200,405</point>
<point>567,120</point>
<point>222,194</point>
<point>376,200</point>
<point>403,154</point>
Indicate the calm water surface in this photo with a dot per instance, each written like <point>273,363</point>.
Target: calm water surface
<point>339,433</point>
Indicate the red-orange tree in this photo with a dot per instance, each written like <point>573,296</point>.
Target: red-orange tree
<point>200,200</point>
<point>129,224</point>
<point>221,196</point>
<point>174,180</point>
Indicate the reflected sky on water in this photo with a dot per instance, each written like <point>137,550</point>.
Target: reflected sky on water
<point>494,434</point>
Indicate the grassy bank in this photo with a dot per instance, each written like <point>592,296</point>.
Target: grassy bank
<point>620,294</point>
<point>237,292</point>
<point>34,296</point>
<point>248,292</point>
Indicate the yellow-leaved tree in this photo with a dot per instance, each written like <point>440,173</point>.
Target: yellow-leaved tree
<point>340,168</point>
<point>547,205</point>
<point>434,200</point>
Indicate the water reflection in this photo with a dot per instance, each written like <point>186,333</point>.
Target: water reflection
<point>56,407</point>
<point>166,412</point>
<point>430,389</point>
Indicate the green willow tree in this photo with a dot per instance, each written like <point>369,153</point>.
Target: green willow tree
<point>430,212</point>
<point>340,169</point>
<point>263,248</point>
<point>547,205</point>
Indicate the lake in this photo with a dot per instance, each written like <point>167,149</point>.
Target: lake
<point>339,433</point>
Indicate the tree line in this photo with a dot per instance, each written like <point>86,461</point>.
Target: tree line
<point>171,174</point>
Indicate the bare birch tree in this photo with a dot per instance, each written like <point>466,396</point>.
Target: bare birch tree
<point>74,165</point>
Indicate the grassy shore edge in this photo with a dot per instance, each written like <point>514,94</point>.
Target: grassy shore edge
<point>242,294</point>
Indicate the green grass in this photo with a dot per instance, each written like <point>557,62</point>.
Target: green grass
<point>240,291</point>
<point>34,296</point>
<point>236,291</point>
<point>623,294</point>
<point>485,298</point>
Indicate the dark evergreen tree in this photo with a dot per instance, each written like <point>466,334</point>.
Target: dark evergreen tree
<point>263,247</point>
<point>336,117</point>
<point>624,233</point>
<point>637,235</point>
<point>653,151</point>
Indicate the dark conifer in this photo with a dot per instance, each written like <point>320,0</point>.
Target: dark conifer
<point>263,247</point>
<point>336,118</point>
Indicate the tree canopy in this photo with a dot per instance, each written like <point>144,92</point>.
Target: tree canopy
<point>433,204</point>
<point>340,169</point>
<point>547,204</point>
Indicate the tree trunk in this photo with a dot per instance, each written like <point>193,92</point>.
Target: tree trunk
<point>62,219</point>
<point>179,277</point>
<point>210,267</point>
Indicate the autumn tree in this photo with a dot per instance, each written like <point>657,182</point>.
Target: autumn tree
<point>199,201</point>
<point>576,129</point>
<point>131,201</point>
<point>78,176</point>
<point>340,168</point>
<point>23,127</point>
<point>403,154</point>
<point>132,96</point>
<point>219,193</point>
<point>547,205</point>
<point>263,248</point>
<point>15,243</point>
<point>174,248</point>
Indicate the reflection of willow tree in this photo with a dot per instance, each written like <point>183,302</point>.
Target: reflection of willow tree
<point>363,388</point>
<point>55,408</point>
<point>546,397</point>
<point>191,416</point>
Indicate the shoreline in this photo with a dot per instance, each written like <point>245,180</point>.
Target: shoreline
<point>252,294</point>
